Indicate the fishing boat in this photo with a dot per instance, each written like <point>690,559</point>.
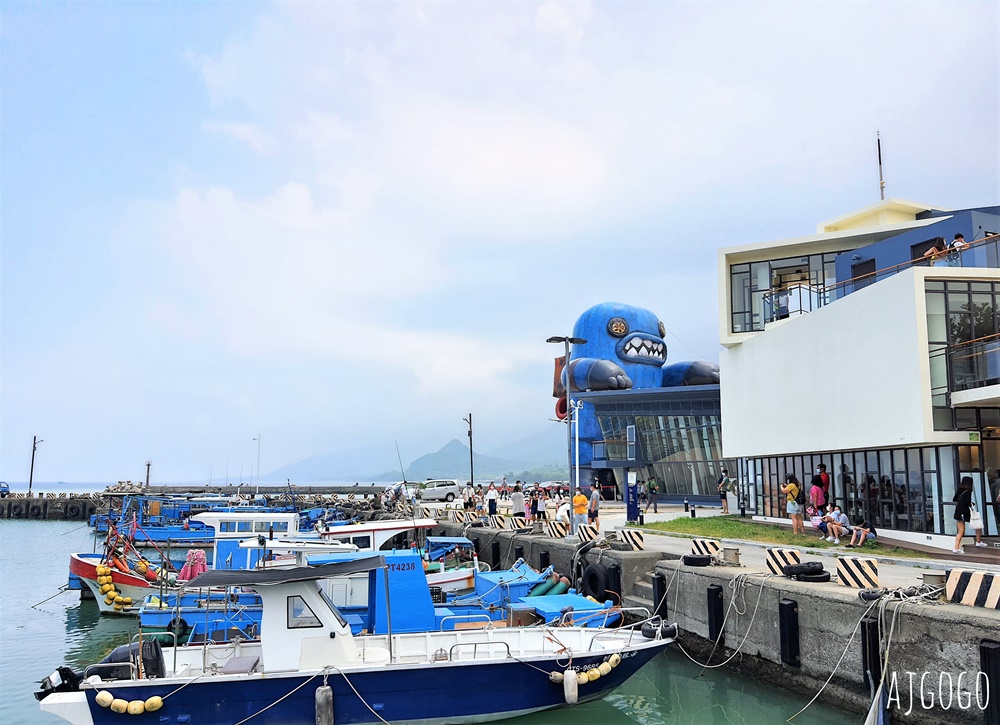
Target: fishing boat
<point>122,576</point>
<point>308,667</point>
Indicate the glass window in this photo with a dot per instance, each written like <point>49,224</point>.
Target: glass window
<point>244,526</point>
<point>281,526</point>
<point>300,615</point>
<point>228,526</point>
<point>261,526</point>
<point>362,542</point>
<point>935,285</point>
<point>937,328</point>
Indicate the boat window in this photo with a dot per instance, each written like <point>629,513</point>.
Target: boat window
<point>333,607</point>
<point>227,526</point>
<point>262,526</point>
<point>281,526</point>
<point>362,542</point>
<point>244,526</point>
<point>300,615</point>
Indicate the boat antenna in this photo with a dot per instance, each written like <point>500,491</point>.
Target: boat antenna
<point>400,459</point>
<point>881,181</point>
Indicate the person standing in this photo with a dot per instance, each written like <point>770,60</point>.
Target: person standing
<point>542,496</point>
<point>651,493</point>
<point>593,510</point>
<point>468,497</point>
<point>517,502</point>
<point>722,486</point>
<point>579,508</point>
<point>824,481</point>
<point>963,512</point>
<point>491,499</point>
<point>794,502</point>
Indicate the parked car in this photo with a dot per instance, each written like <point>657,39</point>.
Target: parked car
<point>445,489</point>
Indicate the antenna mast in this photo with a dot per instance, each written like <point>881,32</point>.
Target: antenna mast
<point>881,181</point>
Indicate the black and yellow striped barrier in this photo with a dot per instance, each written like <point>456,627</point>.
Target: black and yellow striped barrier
<point>556,529</point>
<point>517,522</point>
<point>973,588</point>
<point>460,516</point>
<point>857,572</point>
<point>587,532</point>
<point>778,558</point>
<point>633,539</point>
<point>705,547</point>
<point>497,521</point>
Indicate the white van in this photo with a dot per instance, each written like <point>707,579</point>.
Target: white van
<point>444,489</point>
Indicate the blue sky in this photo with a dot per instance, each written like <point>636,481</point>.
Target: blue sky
<point>342,225</point>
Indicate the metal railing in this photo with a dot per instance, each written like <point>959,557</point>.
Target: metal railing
<point>802,297</point>
<point>974,364</point>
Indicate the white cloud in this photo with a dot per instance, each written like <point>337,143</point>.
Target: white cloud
<point>248,133</point>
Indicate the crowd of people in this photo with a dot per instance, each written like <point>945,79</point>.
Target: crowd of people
<point>533,502</point>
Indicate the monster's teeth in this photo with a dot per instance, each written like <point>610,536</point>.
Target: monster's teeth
<point>632,352</point>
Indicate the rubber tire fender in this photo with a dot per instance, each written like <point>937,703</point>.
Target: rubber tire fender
<point>73,511</point>
<point>15,510</point>
<point>179,627</point>
<point>697,559</point>
<point>817,576</point>
<point>809,567</point>
<point>595,581</point>
<point>35,511</point>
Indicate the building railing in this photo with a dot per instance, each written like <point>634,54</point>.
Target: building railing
<point>801,298</point>
<point>974,364</point>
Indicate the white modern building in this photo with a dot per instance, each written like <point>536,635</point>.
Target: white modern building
<point>846,347</point>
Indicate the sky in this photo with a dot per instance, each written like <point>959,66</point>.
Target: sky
<point>343,227</point>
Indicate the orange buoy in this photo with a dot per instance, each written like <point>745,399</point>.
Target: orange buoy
<point>121,565</point>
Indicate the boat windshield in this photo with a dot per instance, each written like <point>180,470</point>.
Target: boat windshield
<point>333,607</point>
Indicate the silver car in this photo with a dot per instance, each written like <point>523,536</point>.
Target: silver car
<point>445,489</point>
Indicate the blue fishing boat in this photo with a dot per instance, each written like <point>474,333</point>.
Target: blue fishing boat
<point>308,665</point>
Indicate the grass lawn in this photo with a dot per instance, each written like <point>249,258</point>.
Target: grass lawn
<point>730,527</point>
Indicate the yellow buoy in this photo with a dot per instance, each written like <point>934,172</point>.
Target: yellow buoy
<point>581,678</point>
<point>604,668</point>
<point>614,660</point>
<point>154,703</point>
<point>119,599</point>
<point>118,607</point>
<point>593,674</point>
<point>127,601</point>
<point>136,707</point>
<point>104,698</point>
<point>119,705</point>
<point>105,588</point>
<point>109,601</point>
<point>556,677</point>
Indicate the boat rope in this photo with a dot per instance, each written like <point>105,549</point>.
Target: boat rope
<point>924,594</point>
<point>351,685</point>
<point>738,585</point>
<point>196,677</point>
<point>289,694</point>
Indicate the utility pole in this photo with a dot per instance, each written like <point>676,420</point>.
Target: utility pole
<point>148,464</point>
<point>257,491</point>
<point>472,470</point>
<point>31,474</point>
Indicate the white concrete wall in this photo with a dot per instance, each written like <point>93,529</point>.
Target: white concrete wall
<point>852,375</point>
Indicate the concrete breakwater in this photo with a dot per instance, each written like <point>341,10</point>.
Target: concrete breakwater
<point>803,636</point>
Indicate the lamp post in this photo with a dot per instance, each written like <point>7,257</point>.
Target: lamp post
<point>257,490</point>
<point>31,473</point>
<point>472,471</point>
<point>567,341</point>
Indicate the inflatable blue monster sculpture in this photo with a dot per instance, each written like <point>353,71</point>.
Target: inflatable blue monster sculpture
<point>625,350</point>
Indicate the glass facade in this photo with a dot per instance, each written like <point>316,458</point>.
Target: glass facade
<point>678,437</point>
<point>963,339</point>
<point>762,292</point>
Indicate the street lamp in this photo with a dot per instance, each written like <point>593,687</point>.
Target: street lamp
<point>567,341</point>
<point>472,472</point>
<point>31,474</point>
<point>257,490</point>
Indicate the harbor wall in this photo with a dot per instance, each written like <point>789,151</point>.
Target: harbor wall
<point>934,647</point>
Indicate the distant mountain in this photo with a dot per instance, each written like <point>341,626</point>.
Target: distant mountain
<point>452,461</point>
<point>534,457</point>
<point>546,446</point>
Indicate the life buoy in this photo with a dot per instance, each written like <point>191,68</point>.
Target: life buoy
<point>595,581</point>
<point>73,511</point>
<point>35,511</point>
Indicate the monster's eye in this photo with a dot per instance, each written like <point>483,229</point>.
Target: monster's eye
<point>663,329</point>
<point>617,327</point>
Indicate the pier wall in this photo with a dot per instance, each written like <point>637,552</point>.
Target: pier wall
<point>931,644</point>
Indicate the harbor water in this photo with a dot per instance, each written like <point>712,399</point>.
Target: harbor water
<point>34,563</point>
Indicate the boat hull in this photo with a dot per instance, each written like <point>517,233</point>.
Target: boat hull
<point>442,693</point>
<point>84,568</point>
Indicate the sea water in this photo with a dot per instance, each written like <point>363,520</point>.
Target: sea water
<point>37,636</point>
